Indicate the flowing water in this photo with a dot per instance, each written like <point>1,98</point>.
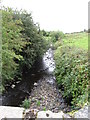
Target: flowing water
<point>39,85</point>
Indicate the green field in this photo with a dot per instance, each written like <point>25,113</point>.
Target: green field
<point>77,39</point>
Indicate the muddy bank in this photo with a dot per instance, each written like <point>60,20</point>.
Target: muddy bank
<point>20,90</point>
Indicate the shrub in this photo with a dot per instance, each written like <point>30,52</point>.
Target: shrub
<point>11,43</point>
<point>72,74</point>
<point>26,103</point>
<point>57,44</point>
<point>38,103</point>
<point>56,35</point>
<point>35,44</point>
<point>22,44</point>
<point>44,109</point>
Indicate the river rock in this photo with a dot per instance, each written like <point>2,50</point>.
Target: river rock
<point>13,86</point>
<point>35,84</point>
<point>18,82</point>
<point>30,113</point>
<point>45,90</point>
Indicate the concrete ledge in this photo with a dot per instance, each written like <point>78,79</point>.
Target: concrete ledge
<point>11,112</point>
<point>49,114</point>
<point>82,113</point>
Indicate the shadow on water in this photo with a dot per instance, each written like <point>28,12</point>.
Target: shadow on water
<point>17,93</point>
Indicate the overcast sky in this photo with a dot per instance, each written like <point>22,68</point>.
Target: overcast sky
<point>64,15</point>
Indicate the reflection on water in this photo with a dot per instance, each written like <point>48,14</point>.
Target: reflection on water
<point>43,68</point>
<point>48,61</point>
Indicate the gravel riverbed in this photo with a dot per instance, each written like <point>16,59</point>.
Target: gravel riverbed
<point>45,94</point>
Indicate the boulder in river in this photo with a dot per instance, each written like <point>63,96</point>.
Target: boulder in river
<point>35,84</point>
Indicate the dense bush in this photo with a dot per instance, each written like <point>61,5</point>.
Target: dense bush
<point>22,44</point>
<point>57,44</point>
<point>72,74</point>
<point>35,44</point>
<point>56,35</point>
<point>11,41</point>
<point>45,33</point>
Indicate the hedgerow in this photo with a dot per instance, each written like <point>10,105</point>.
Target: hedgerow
<point>72,74</point>
<point>22,44</point>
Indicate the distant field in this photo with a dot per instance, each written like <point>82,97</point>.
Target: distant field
<point>77,39</point>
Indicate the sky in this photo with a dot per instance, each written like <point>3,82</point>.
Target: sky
<point>63,15</point>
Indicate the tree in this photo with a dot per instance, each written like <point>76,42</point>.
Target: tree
<point>22,44</point>
<point>12,43</point>
<point>57,35</point>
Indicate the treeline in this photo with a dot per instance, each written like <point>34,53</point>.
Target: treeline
<point>22,44</point>
<point>54,35</point>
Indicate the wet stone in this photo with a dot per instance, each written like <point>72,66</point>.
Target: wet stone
<point>45,94</point>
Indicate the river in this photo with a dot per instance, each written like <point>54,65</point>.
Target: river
<point>18,92</point>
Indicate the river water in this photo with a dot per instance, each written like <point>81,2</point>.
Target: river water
<point>18,92</point>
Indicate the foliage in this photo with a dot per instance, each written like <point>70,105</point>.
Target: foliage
<point>44,109</point>
<point>1,88</point>
<point>72,74</point>
<point>45,33</point>
<point>22,44</point>
<point>38,103</point>
<point>26,103</point>
<point>11,41</point>
<point>57,44</point>
<point>35,43</point>
<point>56,35</point>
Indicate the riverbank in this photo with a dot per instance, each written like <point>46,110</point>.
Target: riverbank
<point>71,58</point>
<point>20,90</point>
